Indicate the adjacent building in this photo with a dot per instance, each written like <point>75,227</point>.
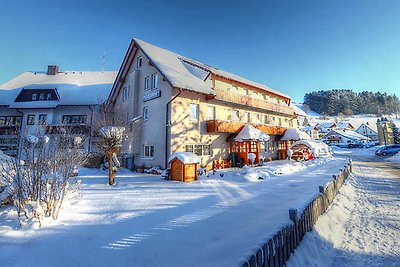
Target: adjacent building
<point>177,104</point>
<point>51,99</point>
<point>366,130</point>
<point>344,137</point>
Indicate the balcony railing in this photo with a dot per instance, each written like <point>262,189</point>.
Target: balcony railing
<point>247,101</point>
<point>219,126</point>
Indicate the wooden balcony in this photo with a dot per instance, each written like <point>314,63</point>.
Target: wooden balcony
<point>244,101</point>
<point>218,126</point>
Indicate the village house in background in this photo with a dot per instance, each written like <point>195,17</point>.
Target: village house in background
<point>366,130</point>
<point>176,104</point>
<point>52,100</point>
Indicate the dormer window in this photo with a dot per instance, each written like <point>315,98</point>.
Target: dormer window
<point>27,95</point>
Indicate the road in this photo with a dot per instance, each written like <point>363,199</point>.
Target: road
<point>362,227</point>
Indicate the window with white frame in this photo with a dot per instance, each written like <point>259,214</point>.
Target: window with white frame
<point>125,93</point>
<point>147,83</point>
<point>194,112</point>
<point>139,62</point>
<point>235,115</point>
<point>247,117</point>
<point>145,113</point>
<point>148,151</point>
<point>280,122</point>
<point>154,81</point>
<point>211,113</point>
<point>264,119</point>
<point>199,149</point>
<point>30,119</point>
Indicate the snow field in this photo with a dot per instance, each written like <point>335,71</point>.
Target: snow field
<point>146,221</point>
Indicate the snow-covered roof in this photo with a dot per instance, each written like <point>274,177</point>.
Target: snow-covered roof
<point>298,110</point>
<point>184,157</point>
<point>73,88</point>
<point>310,128</point>
<point>368,127</point>
<point>344,125</point>
<point>186,73</point>
<point>318,148</point>
<point>249,133</point>
<point>295,134</point>
<point>348,134</point>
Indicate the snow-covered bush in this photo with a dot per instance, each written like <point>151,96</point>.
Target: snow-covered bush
<point>7,173</point>
<point>38,184</point>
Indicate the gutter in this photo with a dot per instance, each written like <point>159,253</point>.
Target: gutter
<point>167,126</point>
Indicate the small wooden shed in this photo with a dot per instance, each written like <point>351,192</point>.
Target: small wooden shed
<point>184,166</point>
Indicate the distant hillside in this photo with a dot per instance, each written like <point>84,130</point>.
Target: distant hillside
<point>347,102</point>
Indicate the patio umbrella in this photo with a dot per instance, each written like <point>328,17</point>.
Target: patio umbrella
<point>294,134</point>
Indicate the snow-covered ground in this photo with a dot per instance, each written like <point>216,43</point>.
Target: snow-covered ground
<point>146,221</point>
<point>362,227</point>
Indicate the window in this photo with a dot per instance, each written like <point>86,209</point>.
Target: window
<point>235,115</point>
<point>211,113</point>
<point>42,118</point>
<point>74,119</point>
<point>125,93</point>
<point>31,120</point>
<point>145,113</point>
<point>148,151</point>
<point>139,62</point>
<point>194,112</point>
<point>48,97</point>
<point>154,81</point>
<point>280,122</point>
<point>42,96</point>
<point>34,97</point>
<point>147,83</point>
<point>10,120</point>
<point>264,119</point>
<point>199,149</point>
<point>247,117</point>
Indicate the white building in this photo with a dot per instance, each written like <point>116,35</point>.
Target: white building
<point>51,99</point>
<point>343,137</point>
<point>368,132</point>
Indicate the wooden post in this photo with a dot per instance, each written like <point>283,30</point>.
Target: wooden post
<point>276,249</point>
<point>271,250</point>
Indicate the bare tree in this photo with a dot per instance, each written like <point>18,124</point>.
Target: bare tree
<point>110,130</point>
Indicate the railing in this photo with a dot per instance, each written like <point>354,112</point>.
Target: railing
<point>219,126</point>
<point>276,251</point>
<point>247,101</point>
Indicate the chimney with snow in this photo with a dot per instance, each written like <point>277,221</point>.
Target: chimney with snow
<point>52,69</point>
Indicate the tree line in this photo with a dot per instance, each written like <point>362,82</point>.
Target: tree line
<point>345,101</point>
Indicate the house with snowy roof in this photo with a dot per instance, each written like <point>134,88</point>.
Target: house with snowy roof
<point>367,131</point>
<point>344,137</point>
<point>51,99</point>
<point>187,106</point>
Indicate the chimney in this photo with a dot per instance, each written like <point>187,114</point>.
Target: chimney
<point>52,69</point>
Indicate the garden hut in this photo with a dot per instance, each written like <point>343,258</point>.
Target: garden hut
<point>248,141</point>
<point>184,166</point>
<point>289,137</point>
<point>309,149</point>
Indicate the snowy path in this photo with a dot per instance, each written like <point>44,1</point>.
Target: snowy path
<point>362,227</point>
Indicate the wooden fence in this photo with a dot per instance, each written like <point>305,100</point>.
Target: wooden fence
<point>276,251</point>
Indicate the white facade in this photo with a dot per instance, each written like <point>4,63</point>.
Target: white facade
<point>37,101</point>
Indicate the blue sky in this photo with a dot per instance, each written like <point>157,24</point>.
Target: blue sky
<point>292,46</point>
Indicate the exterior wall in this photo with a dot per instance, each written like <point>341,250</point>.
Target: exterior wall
<point>385,133</point>
<point>185,131</point>
<point>54,118</point>
<point>142,132</point>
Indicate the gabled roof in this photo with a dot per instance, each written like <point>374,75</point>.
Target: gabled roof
<point>367,126</point>
<point>348,134</point>
<point>181,72</point>
<point>72,87</point>
<point>345,125</point>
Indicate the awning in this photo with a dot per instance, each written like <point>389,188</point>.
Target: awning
<point>249,133</point>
